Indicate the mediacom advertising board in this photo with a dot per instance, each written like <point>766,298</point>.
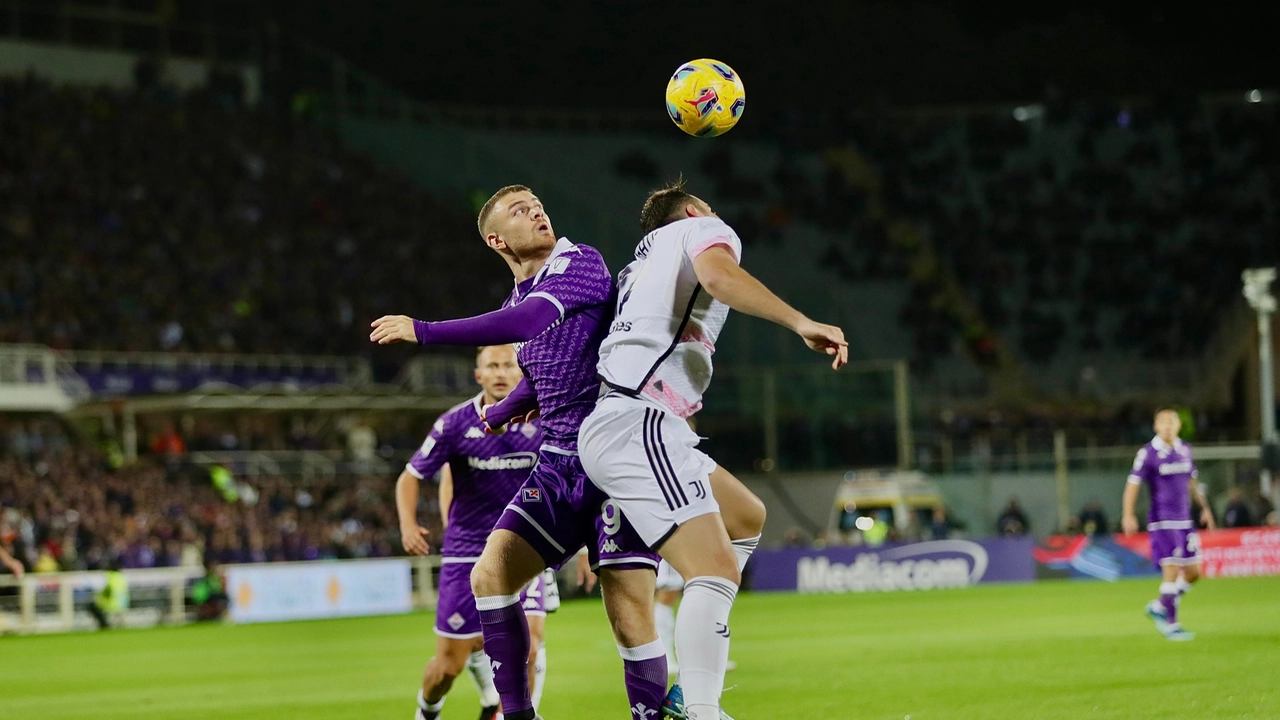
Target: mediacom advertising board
<point>312,590</point>
<point>1236,552</point>
<point>931,565</point>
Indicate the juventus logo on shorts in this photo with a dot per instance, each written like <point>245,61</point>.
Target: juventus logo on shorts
<point>699,491</point>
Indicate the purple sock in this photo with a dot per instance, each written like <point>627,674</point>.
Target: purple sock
<point>646,677</point>
<point>1169,599</point>
<point>506,640</point>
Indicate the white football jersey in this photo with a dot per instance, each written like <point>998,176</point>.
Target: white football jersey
<point>666,325</point>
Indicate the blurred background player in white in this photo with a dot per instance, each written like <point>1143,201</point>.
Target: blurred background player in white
<point>479,473</point>
<point>673,300</point>
<point>1166,467</point>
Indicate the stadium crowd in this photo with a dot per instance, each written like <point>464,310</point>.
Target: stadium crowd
<point>1065,226</point>
<point>68,506</point>
<point>224,228</point>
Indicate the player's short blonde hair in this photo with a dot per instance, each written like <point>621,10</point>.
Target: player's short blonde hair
<point>483,219</point>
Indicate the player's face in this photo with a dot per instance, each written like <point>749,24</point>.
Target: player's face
<point>497,371</point>
<point>520,222</point>
<point>1168,425</point>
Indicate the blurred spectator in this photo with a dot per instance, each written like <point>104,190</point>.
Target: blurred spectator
<point>1236,514</point>
<point>168,443</point>
<point>795,537</point>
<point>940,523</point>
<point>208,596</point>
<point>112,599</point>
<point>1262,507</point>
<point>1013,521</point>
<point>1093,521</point>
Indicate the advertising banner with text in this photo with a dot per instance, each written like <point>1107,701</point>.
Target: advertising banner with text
<point>928,565</point>
<point>306,591</point>
<point>1224,553</point>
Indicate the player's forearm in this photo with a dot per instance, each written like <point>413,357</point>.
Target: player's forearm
<point>445,496</point>
<point>518,323</point>
<point>520,402</point>
<point>741,291</point>
<point>407,499</point>
<point>1130,499</point>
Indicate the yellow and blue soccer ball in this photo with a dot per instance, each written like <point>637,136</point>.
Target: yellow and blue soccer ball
<point>705,98</point>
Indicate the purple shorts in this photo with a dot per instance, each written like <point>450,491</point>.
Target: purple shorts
<point>1174,547</point>
<point>558,510</point>
<point>456,613</point>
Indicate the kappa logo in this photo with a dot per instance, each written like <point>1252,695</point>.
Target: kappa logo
<point>531,494</point>
<point>474,433</point>
<point>456,621</point>
<point>530,604</point>
<point>610,546</point>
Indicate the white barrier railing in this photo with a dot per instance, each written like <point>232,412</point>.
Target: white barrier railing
<point>58,602</point>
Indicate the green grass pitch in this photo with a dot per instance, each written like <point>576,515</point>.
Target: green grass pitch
<point>1048,650</point>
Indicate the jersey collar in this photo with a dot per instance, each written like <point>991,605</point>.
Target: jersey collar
<point>562,247</point>
<point>475,402</point>
<point>1159,444</point>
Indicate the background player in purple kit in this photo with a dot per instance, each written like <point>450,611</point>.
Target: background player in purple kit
<point>1166,467</point>
<point>479,472</point>
<point>557,314</point>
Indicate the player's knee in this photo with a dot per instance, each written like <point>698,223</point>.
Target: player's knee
<point>753,516</point>
<point>1191,574</point>
<point>486,580</point>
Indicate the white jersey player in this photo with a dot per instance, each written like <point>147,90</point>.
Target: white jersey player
<point>636,445</point>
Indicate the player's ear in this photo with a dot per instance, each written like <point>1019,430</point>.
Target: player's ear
<point>494,242</point>
<point>692,210</point>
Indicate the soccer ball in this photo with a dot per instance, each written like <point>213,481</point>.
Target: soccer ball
<point>705,98</point>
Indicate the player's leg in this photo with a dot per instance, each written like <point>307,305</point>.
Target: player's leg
<point>664,621</point>
<point>700,550</point>
<point>459,643</point>
<point>449,661</point>
<point>628,601</point>
<point>481,672</point>
<point>647,462</point>
<point>507,564</point>
<point>1169,592</point>
<point>742,511</point>
<point>537,657</point>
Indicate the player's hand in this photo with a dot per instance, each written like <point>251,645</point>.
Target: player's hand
<point>414,539</point>
<point>827,339</point>
<point>1129,524</point>
<point>1206,519</point>
<point>15,567</point>
<point>393,328</point>
<point>484,413</point>
<point>586,578</point>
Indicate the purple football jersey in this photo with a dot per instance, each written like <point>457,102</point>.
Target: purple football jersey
<point>1167,471</point>
<point>560,363</point>
<point>487,469</point>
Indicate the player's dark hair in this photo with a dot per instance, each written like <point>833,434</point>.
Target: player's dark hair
<point>487,210</point>
<point>664,206</point>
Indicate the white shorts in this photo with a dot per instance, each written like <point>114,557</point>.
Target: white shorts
<point>668,578</point>
<point>647,461</point>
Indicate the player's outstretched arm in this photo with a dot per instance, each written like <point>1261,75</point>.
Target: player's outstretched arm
<point>521,322</point>
<point>412,535</point>
<point>719,274</point>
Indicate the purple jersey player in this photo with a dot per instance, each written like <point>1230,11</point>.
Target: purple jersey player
<point>1165,466</point>
<point>479,473</point>
<point>557,315</point>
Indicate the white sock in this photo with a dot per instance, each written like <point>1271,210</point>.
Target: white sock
<point>1182,586</point>
<point>702,643</point>
<point>539,675</point>
<point>664,619</point>
<point>426,707</point>
<point>482,675</point>
<point>743,549</point>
